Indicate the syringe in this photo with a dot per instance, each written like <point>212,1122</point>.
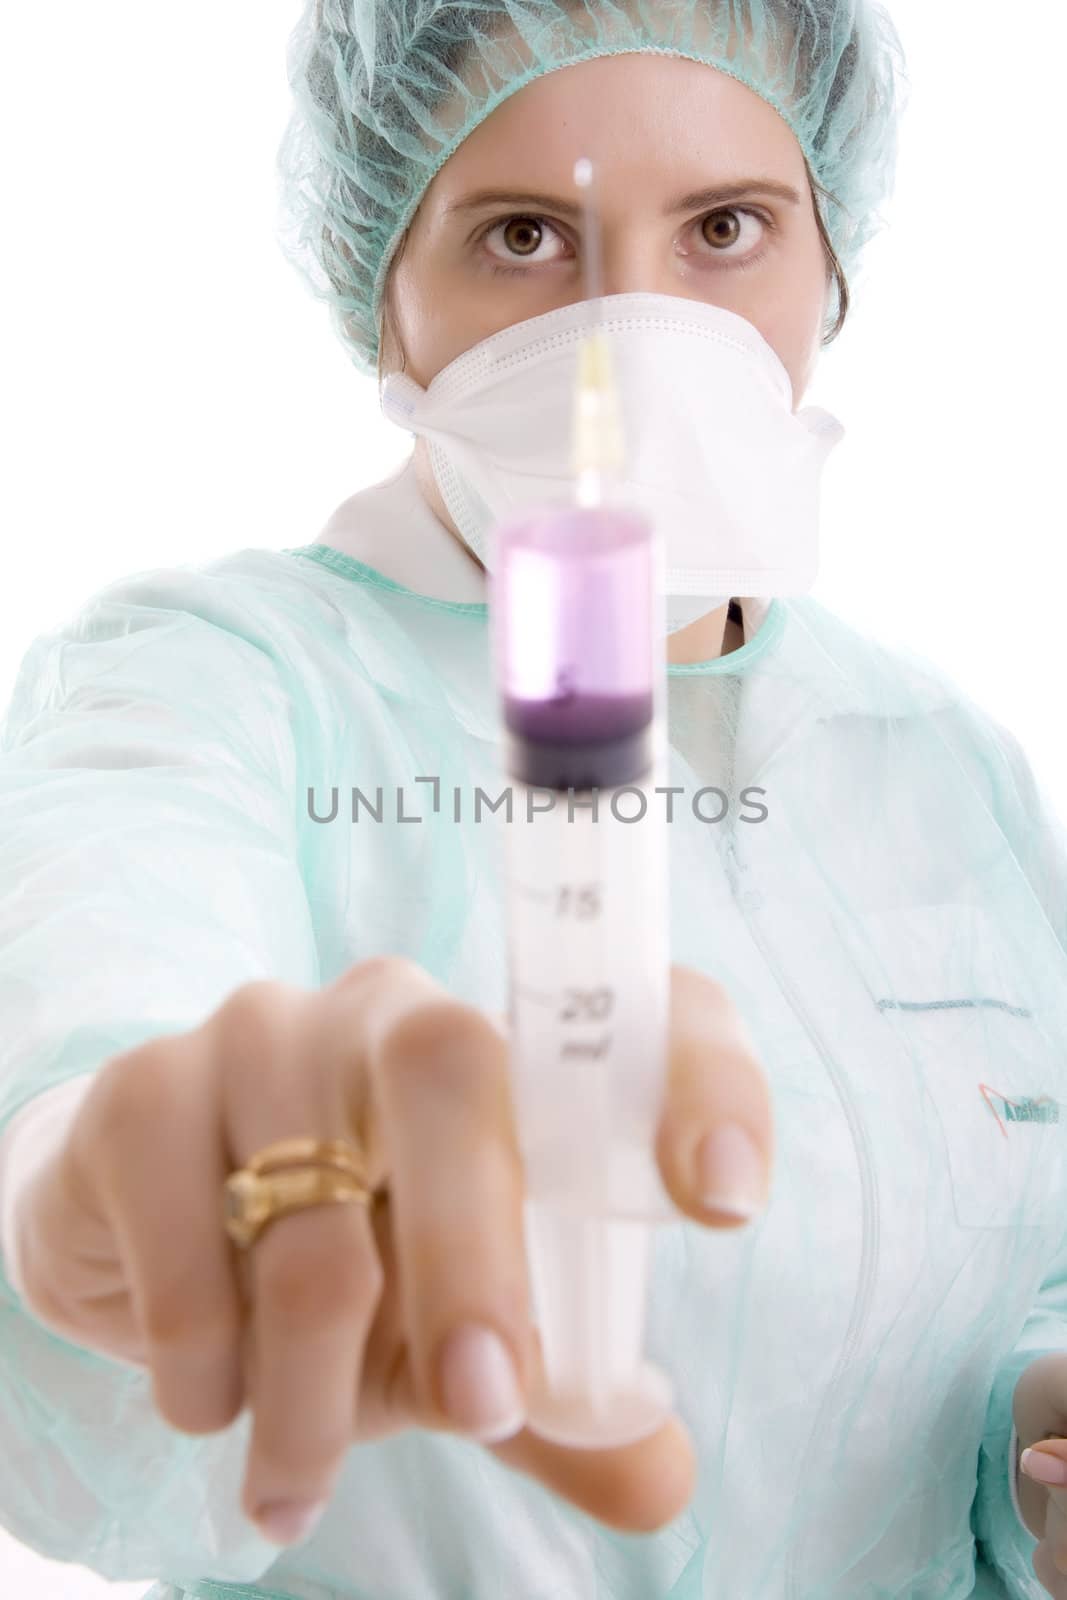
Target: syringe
<point>577,615</point>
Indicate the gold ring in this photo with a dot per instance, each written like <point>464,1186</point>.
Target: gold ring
<point>290,1175</point>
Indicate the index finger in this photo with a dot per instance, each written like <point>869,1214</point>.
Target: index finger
<point>1056,1534</point>
<point>1045,1463</point>
<point>715,1141</point>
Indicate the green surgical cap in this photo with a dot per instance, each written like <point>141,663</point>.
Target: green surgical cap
<point>386,90</point>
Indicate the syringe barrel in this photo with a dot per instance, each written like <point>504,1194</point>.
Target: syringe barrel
<point>589,960</point>
<point>573,593</point>
<point>579,664</point>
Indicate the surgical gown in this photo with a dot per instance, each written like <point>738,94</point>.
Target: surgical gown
<point>887,908</point>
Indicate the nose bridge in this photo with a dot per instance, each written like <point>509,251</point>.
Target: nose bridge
<point>638,258</point>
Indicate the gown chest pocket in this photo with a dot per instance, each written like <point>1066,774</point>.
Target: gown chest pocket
<point>986,1061</point>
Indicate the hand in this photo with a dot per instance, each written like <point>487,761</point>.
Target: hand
<point>331,1326</point>
<point>1040,1413</point>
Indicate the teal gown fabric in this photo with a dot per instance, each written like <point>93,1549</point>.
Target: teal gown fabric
<point>893,933</point>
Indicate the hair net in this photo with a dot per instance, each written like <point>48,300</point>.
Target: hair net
<point>386,90</point>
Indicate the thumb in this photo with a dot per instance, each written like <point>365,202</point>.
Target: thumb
<point>636,1488</point>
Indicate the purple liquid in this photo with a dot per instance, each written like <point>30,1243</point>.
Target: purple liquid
<point>579,741</point>
<point>575,718</point>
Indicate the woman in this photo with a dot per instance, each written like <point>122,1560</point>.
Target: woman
<point>881,958</point>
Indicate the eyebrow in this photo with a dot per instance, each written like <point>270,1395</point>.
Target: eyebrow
<point>700,199</point>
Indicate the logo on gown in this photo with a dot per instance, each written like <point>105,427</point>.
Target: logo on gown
<point>1041,1109</point>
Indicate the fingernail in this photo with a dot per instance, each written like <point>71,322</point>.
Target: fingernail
<point>730,1174</point>
<point>1044,1467</point>
<point>287,1521</point>
<point>479,1387</point>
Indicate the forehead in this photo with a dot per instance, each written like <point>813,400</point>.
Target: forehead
<point>646,118</point>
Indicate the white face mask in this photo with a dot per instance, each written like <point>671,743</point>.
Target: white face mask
<point>715,454</point>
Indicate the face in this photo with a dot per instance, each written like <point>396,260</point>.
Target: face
<point>661,131</point>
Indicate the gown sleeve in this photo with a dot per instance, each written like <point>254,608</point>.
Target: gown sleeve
<point>149,866</point>
<point>34,1134</point>
<point>1039,840</point>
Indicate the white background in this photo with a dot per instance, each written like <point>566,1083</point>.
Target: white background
<point>172,393</point>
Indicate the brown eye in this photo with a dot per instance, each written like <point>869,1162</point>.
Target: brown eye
<point>722,229</point>
<point>522,235</point>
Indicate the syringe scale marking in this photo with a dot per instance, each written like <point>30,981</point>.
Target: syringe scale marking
<point>585,1049</point>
